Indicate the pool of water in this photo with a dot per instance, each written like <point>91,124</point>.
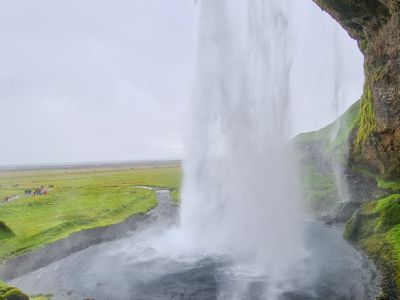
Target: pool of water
<point>134,268</point>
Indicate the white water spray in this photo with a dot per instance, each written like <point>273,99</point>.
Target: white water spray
<point>338,168</point>
<point>239,192</point>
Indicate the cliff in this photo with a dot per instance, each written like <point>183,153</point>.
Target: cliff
<point>375,24</point>
<point>367,149</point>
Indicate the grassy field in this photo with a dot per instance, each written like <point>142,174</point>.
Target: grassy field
<point>77,199</point>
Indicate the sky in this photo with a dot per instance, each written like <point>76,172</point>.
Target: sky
<point>97,80</point>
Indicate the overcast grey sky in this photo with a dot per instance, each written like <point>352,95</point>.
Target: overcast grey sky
<point>95,80</point>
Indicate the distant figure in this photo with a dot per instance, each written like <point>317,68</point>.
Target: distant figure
<point>6,199</point>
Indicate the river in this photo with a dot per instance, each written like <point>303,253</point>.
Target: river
<point>134,268</point>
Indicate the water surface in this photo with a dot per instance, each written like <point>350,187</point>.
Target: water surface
<point>133,268</point>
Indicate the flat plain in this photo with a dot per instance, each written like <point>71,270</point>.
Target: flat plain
<point>77,199</point>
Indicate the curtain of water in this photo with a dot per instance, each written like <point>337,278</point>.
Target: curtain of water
<point>338,168</point>
<point>239,191</point>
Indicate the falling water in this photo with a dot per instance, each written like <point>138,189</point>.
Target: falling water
<point>239,192</point>
<point>240,235</point>
<point>338,168</point>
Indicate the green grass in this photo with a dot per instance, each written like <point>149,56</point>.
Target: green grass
<point>175,195</point>
<point>333,141</point>
<point>9,192</point>
<point>79,199</point>
<point>5,231</point>
<point>335,138</point>
<point>319,190</point>
<point>390,186</point>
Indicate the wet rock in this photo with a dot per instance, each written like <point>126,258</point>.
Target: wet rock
<point>342,213</point>
<point>375,24</point>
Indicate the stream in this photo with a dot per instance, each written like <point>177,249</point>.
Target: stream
<point>135,268</point>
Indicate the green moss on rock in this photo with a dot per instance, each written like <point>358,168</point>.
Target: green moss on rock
<point>376,226</point>
<point>390,186</point>
<point>366,120</point>
<point>11,293</point>
<point>375,25</point>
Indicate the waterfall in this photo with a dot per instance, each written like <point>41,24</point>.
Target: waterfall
<point>239,195</point>
<point>338,168</point>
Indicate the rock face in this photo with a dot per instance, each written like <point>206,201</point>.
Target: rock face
<point>375,24</point>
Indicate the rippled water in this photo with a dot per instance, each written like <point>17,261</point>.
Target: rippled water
<point>135,268</point>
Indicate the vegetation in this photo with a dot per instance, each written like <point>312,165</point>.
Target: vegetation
<point>327,147</point>
<point>79,199</point>
<point>11,293</point>
<point>376,226</point>
<point>335,137</point>
<point>390,186</point>
<point>319,190</point>
<point>175,194</point>
<point>366,122</point>
<point>5,231</point>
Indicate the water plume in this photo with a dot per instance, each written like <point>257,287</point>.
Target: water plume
<point>239,190</point>
<point>338,164</point>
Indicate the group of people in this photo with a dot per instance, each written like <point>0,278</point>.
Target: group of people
<point>37,192</point>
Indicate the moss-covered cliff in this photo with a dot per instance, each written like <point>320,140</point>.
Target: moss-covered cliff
<point>369,204</point>
<point>374,143</point>
<point>328,174</point>
<point>375,24</point>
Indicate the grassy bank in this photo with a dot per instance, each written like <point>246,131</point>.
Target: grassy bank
<point>76,200</point>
